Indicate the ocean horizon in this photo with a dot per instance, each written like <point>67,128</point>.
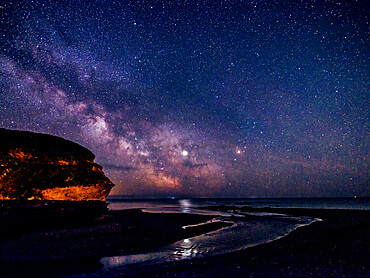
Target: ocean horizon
<point>118,202</point>
<point>247,229</point>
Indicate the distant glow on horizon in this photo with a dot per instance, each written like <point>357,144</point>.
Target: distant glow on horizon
<point>197,98</point>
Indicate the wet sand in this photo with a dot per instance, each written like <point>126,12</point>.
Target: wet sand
<point>61,239</point>
<point>55,239</point>
<point>336,247</point>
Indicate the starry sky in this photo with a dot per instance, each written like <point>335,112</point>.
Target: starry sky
<point>197,98</point>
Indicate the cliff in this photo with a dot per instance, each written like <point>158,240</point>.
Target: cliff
<point>46,167</point>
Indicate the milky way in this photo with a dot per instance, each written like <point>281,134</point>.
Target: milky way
<point>197,98</point>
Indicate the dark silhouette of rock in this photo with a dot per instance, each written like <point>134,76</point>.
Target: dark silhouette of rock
<point>45,167</point>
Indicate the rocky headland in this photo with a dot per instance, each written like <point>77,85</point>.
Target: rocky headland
<point>45,167</point>
<point>54,218</point>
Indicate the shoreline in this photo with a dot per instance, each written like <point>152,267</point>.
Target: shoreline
<point>336,246</point>
<point>69,237</point>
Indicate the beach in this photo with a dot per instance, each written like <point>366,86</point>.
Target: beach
<point>61,241</point>
<point>338,246</point>
<point>57,239</point>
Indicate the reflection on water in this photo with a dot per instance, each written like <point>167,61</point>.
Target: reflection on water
<point>245,232</point>
<point>185,205</point>
<point>164,205</point>
<point>248,229</point>
<point>117,261</point>
<point>186,250</point>
<point>190,205</point>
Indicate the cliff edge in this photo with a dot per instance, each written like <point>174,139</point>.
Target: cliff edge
<point>45,167</point>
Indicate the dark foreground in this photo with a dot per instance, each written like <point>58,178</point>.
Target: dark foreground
<point>336,247</point>
<point>63,238</point>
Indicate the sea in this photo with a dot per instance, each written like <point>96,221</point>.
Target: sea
<point>190,205</point>
<point>245,231</point>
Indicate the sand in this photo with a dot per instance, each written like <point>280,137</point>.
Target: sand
<point>336,247</point>
<point>64,239</point>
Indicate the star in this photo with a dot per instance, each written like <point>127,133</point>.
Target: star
<point>185,99</point>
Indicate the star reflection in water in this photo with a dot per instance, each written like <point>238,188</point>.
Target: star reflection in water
<point>186,250</point>
<point>186,206</point>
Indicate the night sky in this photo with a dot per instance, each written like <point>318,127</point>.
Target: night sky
<point>197,98</point>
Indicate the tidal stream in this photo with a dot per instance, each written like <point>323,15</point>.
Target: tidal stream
<point>248,229</point>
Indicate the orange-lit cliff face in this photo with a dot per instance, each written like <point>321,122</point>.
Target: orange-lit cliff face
<point>45,167</point>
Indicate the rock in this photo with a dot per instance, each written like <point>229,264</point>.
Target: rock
<point>45,167</point>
